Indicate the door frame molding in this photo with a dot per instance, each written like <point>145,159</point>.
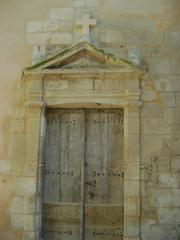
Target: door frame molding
<point>41,90</point>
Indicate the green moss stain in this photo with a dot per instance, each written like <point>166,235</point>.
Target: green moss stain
<point>110,59</point>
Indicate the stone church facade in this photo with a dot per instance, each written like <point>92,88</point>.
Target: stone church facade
<point>90,120</point>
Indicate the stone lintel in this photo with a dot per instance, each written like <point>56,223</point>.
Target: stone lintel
<point>77,74</point>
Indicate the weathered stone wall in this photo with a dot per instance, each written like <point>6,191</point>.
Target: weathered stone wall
<point>143,31</point>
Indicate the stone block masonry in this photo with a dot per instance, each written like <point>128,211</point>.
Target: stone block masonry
<point>34,27</point>
<point>130,31</point>
<point>61,14</point>
<point>57,30</point>
<point>60,28</point>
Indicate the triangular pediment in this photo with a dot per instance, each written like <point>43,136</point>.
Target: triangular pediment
<point>81,56</point>
<point>82,60</point>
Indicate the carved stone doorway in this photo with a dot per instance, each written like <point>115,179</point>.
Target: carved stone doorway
<point>82,77</point>
<point>83,177</point>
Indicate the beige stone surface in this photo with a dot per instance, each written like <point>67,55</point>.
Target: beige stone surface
<point>38,38</point>
<point>151,29</point>
<point>34,27</point>
<point>61,13</point>
<point>51,26</point>
<point>61,38</point>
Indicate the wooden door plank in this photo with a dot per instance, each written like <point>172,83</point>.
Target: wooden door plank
<point>104,213</point>
<point>115,158</point>
<point>76,142</point>
<point>104,170</point>
<point>93,161</point>
<point>97,157</point>
<point>64,151</point>
<point>51,185</point>
<point>71,154</point>
<point>64,157</point>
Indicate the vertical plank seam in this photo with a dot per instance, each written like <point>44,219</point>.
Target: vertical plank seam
<point>59,166</point>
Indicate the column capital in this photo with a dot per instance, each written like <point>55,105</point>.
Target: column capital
<point>134,106</point>
<point>133,101</point>
<point>35,104</point>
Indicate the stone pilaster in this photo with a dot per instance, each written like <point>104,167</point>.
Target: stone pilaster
<point>132,167</point>
<point>32,170</point>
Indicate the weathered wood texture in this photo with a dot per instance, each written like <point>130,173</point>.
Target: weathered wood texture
<point>98,145</point>
<point>104,175</point>
<point>64,155</point>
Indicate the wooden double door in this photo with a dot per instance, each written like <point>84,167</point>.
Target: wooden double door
<point>83,177</point>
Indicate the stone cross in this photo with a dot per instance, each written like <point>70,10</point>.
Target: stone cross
<point>86,23</point>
